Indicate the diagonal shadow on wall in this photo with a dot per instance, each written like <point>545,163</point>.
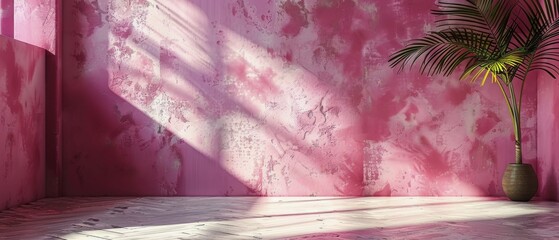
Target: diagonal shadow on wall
<point>110,146</point>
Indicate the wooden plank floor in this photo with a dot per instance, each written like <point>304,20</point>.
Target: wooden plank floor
<point>281,218</point>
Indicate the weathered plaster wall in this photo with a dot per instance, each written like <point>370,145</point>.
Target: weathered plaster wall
<point>253,97</point>
<point>30,21</point>
<point>22,122</point>
<point>548,137</point>
<point>34,22</point>
<point>7,18</point>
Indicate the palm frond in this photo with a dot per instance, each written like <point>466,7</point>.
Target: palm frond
<point>488,31</point>
<point>496,68</point>
<point>542,42</point>
<point>442,52</point>
<point>491,17</point>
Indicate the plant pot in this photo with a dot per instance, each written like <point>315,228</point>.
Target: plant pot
<point>520,182</point>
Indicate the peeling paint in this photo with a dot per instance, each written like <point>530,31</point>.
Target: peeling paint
<point>297,18</point>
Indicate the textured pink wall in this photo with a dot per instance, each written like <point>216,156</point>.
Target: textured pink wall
<point>34,22</point>
<point>271,98</point>
<point>548,137</point>
<point>7,18</point>
<point>30,21</point>
<point>22,122</point>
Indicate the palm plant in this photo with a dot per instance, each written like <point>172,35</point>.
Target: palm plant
<point>499,40</point>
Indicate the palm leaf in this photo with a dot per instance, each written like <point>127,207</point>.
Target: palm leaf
<point>491,17</point>
<point>442,52</point>
<point>542,43</point>
<point>482,31</point>
<point>496,68</point>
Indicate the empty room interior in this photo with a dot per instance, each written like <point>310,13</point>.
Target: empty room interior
<point>283,119</point>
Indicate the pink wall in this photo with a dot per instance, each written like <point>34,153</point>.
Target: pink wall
<point>22,122</point>
<point>548,137</point>
<point>34,22</point>
<point>271,98</point>
<point>7,18</point>
<point>30,21</point>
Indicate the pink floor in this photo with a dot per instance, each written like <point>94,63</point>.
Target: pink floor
<point>281,218</point>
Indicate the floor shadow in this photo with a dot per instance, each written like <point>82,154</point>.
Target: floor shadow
<point>223,218</point>
<point>534,226</point>
<point>64,218</point>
